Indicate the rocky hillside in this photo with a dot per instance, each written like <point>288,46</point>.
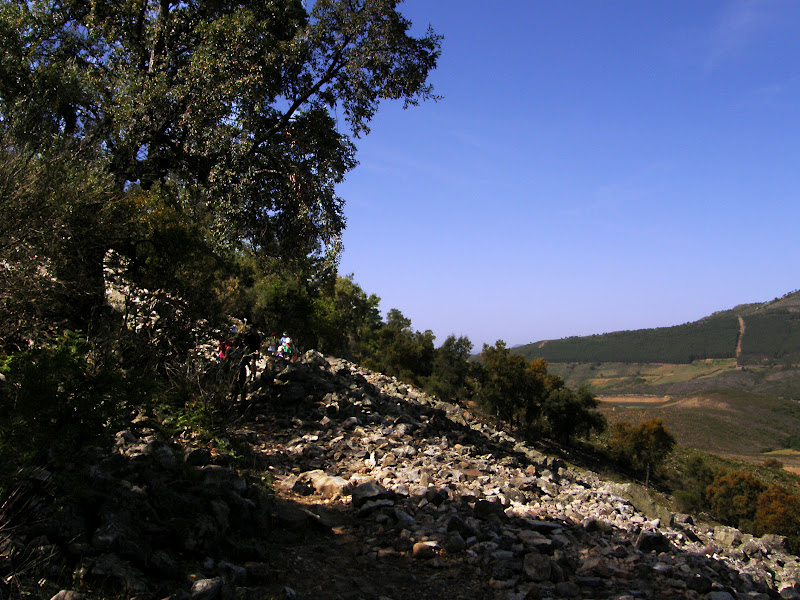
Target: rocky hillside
<point>338,483</point>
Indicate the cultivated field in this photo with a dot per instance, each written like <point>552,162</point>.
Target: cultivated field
<point>739,425</point>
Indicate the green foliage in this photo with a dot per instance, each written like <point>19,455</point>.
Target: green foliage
<point>60,215</point>
<point>778,511</point>
<point>59,399</point>
<point>346,322</point>
<point>772,337</point>
<point>757,499</point>
<point>689,501</point>
<point>235,103</point>
<point>451,369</point>
<point>511,387</point>
<point>169,248</point>
<point>401,351</point>
<point>733,498</point>
<point>644,446</point>
<point>741,499</point>
<point>773,463</point>
<point>572,414</point>
<point>283,300</point>
<point>520,391</point>
<point>396,321</point>
<point>199,417</point>
<point>711,338</point>
<point>689,473</point>
<point>201,142</point>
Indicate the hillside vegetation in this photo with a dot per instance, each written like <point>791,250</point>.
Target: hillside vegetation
<point>735,424</point>
<point>753,334</point>
<point>727,384</point>
<point>677,379</point>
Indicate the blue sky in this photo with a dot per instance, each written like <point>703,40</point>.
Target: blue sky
<point>591,167</point>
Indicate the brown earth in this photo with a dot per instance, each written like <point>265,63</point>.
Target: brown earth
<point>348,557</point>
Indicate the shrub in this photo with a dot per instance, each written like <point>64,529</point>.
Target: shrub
<point>644,446</point>
<point>57,400</point>
<point>695,478</point>
<point>688,501</point>
<point>733,498</point>
<point>570,414</point>
<point>778,511</point>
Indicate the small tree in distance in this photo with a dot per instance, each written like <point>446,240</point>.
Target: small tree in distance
<point>572,414</point>
<point>644,446</point>
<point>734,498</point>
<point>778,511</point>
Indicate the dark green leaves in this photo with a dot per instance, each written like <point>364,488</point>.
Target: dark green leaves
<point>238,103</point>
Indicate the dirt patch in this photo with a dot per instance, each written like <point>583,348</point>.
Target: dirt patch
<point>701,402</point>
<point>634,399</point>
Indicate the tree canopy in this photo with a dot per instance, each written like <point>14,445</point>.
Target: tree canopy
<point>248,109</point>
<point>645,445</point>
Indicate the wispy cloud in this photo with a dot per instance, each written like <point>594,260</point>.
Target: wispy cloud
<point>626,196</point>
<point>738,25</point>
<point>743,23</point>
<point>777,94</point>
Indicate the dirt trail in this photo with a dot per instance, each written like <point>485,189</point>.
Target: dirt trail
<point>739,339</point>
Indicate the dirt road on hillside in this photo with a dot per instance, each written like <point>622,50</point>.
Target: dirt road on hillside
<point>739,339</point>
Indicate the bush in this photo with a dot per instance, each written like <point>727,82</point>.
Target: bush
<point>733,498</point>
<point>688,501</point>
<point>778,511</point>
<point>60,213</point>
<point>695,479</point>
<point>644,446</point>
<point>572,414</point>
<point>57,401</point>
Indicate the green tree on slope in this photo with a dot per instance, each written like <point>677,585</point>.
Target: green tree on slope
<point>571,413</point>
<point>229,109</point>
<point>451,368</point>
<point>512,387</point>
<point>645,446</point>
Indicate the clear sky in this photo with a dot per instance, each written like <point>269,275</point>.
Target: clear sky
<point>593,166</point>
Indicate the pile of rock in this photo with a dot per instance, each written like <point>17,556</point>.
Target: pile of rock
<point>425,494</point>
<point>451,486</point>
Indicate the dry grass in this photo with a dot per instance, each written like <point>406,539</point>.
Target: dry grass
<point>633,400</point>
<point>731,424</point>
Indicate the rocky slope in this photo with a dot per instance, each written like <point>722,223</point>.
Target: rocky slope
<point>339,483</point>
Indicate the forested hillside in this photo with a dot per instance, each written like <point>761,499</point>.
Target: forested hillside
<point>754,334</point>
<point>715,338</point>
<point>772,337</point>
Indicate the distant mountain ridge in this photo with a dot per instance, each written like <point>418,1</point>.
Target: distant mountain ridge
<point>766,333</point>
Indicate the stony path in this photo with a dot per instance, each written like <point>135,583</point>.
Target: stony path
<point>341,484</point>
<point>418,501</point>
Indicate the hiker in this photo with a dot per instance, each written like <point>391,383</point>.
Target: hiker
<point>287,350</point>
<point>226,344</point>
<point>252,343</point>
<point>272,344</point>
<point>238,358</point>
<point>252,339</point>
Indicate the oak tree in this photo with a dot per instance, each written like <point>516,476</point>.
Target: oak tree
<point>646,445</point>
<point>248,108</point>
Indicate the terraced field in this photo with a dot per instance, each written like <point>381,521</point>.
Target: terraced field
<point>739,425</point>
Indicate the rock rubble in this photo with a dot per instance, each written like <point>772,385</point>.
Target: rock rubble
<point>343,483</point>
